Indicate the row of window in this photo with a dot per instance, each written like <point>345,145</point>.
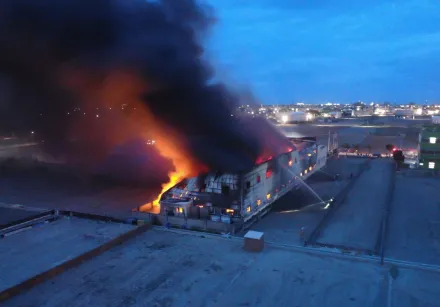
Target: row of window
<point>430,152</point>
<point>269,172</point>
<point>269,196</point>
<point>431,140</point>
<point>431,165</point>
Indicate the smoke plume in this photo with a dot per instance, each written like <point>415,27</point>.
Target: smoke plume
<point>102,54</point>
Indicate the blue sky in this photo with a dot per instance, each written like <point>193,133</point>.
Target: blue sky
<point>328,50</point>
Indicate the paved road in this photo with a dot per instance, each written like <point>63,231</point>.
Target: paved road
<point>357,221</point>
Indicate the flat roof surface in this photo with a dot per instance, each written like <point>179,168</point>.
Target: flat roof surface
<point>414,224</point>
<point>357,221</point>
<point>163,268</point>
<point>284,222</point>
<point>31,252</point>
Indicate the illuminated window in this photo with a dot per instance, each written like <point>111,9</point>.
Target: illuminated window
<point>290,163</point>
<point>431,165</point>
<point>268,173</point>
<point>432,140</point>
<point>305,172</point>
<point>248,209</point>
<point>268,196</point>
<point>258,202</point>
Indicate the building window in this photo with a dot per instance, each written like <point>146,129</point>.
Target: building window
<point>258,179</point>
<point>432,140</point>
<point>430,152</point>
<point>248,185</point>
<point>268,173</point>
<point>225,190</point>
<point>431,165</point>
<point>248,209</point>
<point>269,169</point>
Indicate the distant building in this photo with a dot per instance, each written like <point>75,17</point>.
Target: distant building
<point>404,113</point>
<point>347,113</point>
<point>295,117</point>
<point>429,147</point>
<point>436,119</point>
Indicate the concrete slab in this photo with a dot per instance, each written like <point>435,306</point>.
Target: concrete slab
<point>284,223</point>
<point>414,223</point>
<point>284,227</point>
<point>39,249</point>
<point>356,222</point>
<point>167,269</point>
<point>409,285</point>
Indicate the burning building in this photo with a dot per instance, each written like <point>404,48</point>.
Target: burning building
<point>243,196</point>
<point>145,59</point>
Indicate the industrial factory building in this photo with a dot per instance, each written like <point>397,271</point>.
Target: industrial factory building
<point>429,147</point>
<point>240,198</point>
<point>295,117</point>
<point>404,113</point>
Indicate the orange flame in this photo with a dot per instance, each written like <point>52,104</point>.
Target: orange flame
<point>169,146</point>
<point>126,88</point>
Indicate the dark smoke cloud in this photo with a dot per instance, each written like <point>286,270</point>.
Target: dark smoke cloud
<point>159,40</point>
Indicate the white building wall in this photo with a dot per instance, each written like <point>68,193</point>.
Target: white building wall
<point>256,199</point>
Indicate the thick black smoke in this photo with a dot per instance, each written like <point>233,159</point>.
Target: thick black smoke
<point>159,40</point>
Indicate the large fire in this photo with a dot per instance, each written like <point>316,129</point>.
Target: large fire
<point>184,167</point>
<point>126,88</point>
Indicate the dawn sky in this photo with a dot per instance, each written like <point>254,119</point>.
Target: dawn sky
<point>328,50</point>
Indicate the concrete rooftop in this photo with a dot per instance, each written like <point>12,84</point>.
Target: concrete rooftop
<point>161,268</point>
<point>33,251</point>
